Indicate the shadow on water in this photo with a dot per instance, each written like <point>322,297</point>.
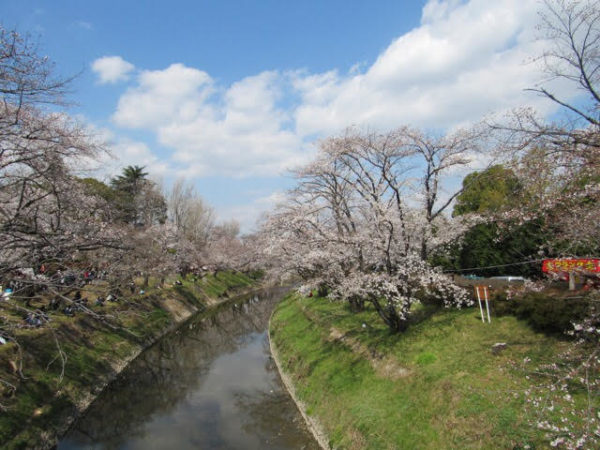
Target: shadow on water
<point>211,384</point>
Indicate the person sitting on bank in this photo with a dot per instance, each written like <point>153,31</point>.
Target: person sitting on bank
<point>32,320</point>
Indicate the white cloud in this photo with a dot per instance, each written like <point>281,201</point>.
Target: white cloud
<point>174,95</point>
<point>111,69</point>
<point>242,134</point>
<point>464,60</point>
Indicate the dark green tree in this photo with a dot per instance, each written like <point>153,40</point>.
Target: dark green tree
<point>137,198</point>
<point>493,189</point>
<point>131,180</point>
<point>492,243</point>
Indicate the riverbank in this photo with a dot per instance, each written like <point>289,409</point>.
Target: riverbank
<point>438,385</point>
<point>51,374</point>
<point>312,423</point>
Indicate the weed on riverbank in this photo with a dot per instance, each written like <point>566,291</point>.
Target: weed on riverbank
<point>438,385</point>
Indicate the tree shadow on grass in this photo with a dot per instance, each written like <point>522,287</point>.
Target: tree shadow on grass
<point>423,313</point>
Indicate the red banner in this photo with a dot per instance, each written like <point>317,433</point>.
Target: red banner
<point>571,265</point>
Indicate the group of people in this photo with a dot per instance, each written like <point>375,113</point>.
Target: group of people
<point>79,302</point>
<point>69,278</point>
<point>23,286</point>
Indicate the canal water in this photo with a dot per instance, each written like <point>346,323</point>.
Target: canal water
<point>209,385</point>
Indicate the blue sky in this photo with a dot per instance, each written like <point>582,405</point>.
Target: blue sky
<point>230,94</point>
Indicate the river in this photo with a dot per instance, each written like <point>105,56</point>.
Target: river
<point>209,385</point>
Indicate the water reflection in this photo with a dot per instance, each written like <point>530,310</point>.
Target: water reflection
<point>211,384</point>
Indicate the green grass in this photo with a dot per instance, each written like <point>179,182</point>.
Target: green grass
<point>223,283</point>
<point>42,402</point>
<point>453,392</point>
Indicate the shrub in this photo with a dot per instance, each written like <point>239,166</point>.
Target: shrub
<point>543,312</point>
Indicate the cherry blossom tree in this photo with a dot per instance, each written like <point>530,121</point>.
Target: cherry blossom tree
<point>225,250</point>
<point>190,214</point>
<point>45,212</point>
<point>558,161</point>
<point>558,165</point>
<point>364,217</point>
<point>50,221</point>
<point>573,28</point>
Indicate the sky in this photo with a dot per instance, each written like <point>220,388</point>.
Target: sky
<point>232,95</point>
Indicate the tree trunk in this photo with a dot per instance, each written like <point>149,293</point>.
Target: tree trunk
<point>424,249</point>
<point>390,316</point>
<point>322,291</point>
<point>356,304</point>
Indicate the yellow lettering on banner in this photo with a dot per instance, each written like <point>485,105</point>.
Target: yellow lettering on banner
<point>571,265</point>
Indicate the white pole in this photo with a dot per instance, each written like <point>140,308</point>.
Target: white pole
<point>571,281</point>
<point>479,301</point>
<point>487,303</point>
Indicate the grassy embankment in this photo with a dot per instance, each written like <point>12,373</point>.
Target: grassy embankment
<point>47,398</point>
<point>438,385</point>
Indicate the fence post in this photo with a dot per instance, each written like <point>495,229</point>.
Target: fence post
<point>485,294</point>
